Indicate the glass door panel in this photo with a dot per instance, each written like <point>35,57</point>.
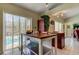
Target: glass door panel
<point>8,31</point>
<point>16,31</point>
<point>22,26</point>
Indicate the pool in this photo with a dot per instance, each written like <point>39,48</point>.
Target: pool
<point>9,42</point>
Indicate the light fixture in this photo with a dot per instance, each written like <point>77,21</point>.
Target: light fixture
<point>59,14</point>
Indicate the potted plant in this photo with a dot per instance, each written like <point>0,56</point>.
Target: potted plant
<point>46,22</point>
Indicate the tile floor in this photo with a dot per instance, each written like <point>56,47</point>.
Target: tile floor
<point>71,48</point>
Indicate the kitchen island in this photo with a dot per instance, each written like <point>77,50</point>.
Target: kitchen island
<point>40,37</point>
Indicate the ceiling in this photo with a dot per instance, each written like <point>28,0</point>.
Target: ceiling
<point>72,12</point>
<point>41,7</point>
<point>67,13</point>
<point>37,7</point>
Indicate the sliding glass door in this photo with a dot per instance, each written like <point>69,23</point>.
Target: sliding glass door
<point>22,25</point>
<point>14,26</point>
<point>16,31</point>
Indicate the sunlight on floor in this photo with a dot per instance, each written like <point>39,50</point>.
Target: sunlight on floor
<point>71,47</point>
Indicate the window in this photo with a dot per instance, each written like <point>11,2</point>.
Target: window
<point>58,27</point>
<point>28,24</point>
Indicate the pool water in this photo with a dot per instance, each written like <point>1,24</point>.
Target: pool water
<point>9,40</point>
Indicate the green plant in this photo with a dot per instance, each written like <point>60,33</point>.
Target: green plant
<point>46,21</point>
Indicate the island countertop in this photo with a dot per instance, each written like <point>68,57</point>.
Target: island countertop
<point>41,35</point>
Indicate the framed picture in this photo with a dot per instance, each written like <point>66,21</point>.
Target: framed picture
<point>52,22</point>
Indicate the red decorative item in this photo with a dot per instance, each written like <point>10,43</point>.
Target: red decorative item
<point>77,34</point>
<point>40,25</point>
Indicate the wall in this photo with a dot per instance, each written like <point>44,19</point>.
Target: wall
<point>1,30</point>
<point>13,9</point>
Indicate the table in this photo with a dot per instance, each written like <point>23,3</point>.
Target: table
<point>40,37</point>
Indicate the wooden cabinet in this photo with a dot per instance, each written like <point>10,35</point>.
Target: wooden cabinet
<point>60,40</point>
